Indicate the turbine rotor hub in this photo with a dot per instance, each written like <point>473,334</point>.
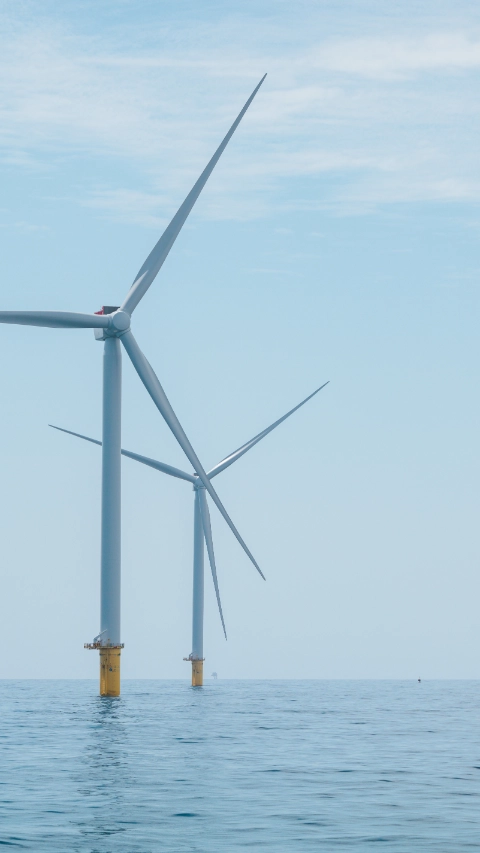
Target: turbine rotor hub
<point>120,321</point>
<point>198,484</point>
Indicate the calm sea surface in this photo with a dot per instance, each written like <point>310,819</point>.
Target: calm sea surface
<point>240,765</point>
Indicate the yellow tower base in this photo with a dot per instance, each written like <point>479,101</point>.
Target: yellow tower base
<point>197,673</point>
<point>110,670</point>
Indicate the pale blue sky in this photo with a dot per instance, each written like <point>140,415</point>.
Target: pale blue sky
<point>337,239</point>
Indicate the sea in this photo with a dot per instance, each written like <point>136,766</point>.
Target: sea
<point>281,766</point>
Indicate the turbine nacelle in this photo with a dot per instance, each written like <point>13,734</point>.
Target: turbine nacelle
<point>119,322</point>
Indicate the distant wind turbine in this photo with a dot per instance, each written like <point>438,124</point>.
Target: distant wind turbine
<point>112,325</point>
<point>202,531</point>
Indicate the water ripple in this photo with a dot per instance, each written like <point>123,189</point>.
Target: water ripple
<point>354,766</point>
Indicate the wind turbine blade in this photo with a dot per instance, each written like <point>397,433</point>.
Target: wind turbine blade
<point>150,380</point>
<point>229,460</point>
<point>159,254</point>
<point>160,466</point>
<point>207,531</point>
<point>56,319</point>
<point>76,434</point>
<point>145,460</point>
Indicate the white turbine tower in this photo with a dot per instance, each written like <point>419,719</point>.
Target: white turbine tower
<point>112,325</point>
<point>202,531</point>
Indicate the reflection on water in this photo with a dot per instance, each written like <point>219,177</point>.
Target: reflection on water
<point>104,777</point>
<point>284,767</point>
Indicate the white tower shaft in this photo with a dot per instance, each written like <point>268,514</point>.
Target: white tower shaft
<point>111,494</point>
<point>198,594</point>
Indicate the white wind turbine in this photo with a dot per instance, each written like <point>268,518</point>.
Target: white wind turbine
<point>112,325</point>
<point>202,531</point>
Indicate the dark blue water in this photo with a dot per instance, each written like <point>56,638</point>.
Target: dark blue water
<point>240,765</point>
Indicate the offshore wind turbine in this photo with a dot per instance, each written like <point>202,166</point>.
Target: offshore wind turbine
<point>112,326</point>
<point>202,530</point>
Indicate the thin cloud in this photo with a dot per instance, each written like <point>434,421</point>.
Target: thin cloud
<point>130,206</point>
<point>364,121</point>
<point>398,58</point>
<point>27,227</point>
